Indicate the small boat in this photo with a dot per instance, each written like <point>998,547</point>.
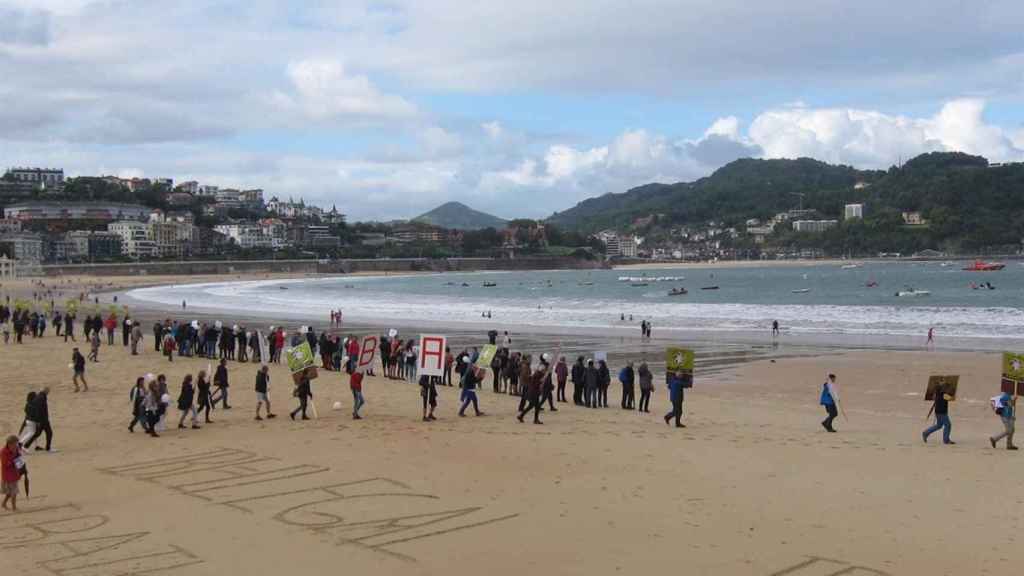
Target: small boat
<point>980,266</point>
<point>586,283</point>
<point>801,291</point>
<point>850,266</point>
<point>489,284</point>
<point>709,288</point>
<point>872,284</point>
<point>638,284</point>
<point>282,287</point>
<point>465,284</point>
<point>912,293</point>
<point>677,292</point>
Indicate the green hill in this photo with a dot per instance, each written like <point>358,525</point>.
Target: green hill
<point>970,205</point>
<point>458,216</point>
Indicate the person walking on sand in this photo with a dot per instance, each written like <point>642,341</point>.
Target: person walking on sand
<point>303,392</point>
<point>205,403</point>
<point>186,403</point>
<point>675,394</point>
<point>828,400</point>
<point>548,387</point>
<point>930,343</point>
<point>152,407</point>
<point>470,380</point>
<point>136,338</point>
<point>428,391</point>
<point>41,414</point>
<point>1006,407</point>
<point>262,388</point>
<point>78,367</point>
<point>355,383</point>
<point>646,386</point>
<point>138,398</point>
<point>533,392</point>
<point>775,328</point>
<point>941,409</point>
<point>94,346</point>
<point>220,381</point>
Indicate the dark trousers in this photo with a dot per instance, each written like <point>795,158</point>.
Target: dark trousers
<point>548,397</point>
<point>832,413</point>
<point>523,399</point>
<point>40,428</point>
<point>205,403</point>
<point>628,396</point>
<point>577,393</point>
<point>677,410</point>
<point>138,418</point>
<point>222,396</point>
<point>533,403</point>
<point>590,397</point>
<point>602,396</point>
<point>303,402</point>
<point>645,400</point>
<point>152,418</point>
<point>561,390</point>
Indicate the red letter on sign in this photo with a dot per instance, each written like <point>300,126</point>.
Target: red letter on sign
<point>432,355</point>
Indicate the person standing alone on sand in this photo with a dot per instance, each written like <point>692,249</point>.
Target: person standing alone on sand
<point>78,366</point>
<point>828,400</point>
<point>930,343</point>
<point>941,409</point>
<point>1007,412</point>
<point>562,374</point>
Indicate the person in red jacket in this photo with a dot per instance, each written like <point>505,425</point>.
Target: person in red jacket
<point>353,353</point>
<point>10,472</point>
<point>110,324</point>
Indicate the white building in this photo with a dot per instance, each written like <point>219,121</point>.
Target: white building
<point>814,226</point>
<point>46,177</point>
<point>245,235</point>
<point>853,211</point>
<point>135,239</point>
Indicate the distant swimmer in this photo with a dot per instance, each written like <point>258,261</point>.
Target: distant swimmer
<point>775,328</point>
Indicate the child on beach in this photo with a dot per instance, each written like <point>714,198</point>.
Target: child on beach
<point>11,466</point>
<point>356,384</point>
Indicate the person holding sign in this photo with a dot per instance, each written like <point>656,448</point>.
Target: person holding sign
<point>1005,406</point>
<point>675,390</point>
<point>533,390</point>
<point>428,391</point>
<point>303,392</point>
<point>942,395</point>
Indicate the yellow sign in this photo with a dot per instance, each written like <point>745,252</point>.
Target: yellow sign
<point>941,385</point>
<point>1013,366</point>
<point>679,360</point>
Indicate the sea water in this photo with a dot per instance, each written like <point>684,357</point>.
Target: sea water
<point>826,299</point>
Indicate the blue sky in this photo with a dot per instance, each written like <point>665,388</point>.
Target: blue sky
<point>521,109</point>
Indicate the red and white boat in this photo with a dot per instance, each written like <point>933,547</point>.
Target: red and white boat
<point>980,266</point>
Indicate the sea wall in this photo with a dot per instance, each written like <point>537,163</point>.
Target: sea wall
<point>344,266</point>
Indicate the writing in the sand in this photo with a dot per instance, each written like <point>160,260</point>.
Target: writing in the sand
<point>67,542</point>
<point>377,514</point>
<point>818,566</point>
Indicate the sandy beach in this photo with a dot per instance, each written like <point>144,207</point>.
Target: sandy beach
<point>752,486</point>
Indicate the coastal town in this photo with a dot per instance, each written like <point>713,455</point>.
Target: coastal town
<point>51,219</point>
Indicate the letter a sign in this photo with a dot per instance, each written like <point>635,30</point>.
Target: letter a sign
<point>431,359</point>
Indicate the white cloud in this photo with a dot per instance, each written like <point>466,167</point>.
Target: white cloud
<point>493,129</point>
<point>324,90</point>
<point>870,138</point>
<point>438,142</point>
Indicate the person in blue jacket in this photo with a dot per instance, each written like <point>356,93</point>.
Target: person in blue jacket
<point>675,392</point>
<point>1007,413</point>
<point>828,400</point>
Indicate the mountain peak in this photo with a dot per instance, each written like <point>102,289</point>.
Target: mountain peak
<point>458,216</point>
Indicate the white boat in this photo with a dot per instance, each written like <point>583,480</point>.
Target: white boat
<point>801,291</point>
<point>850,266</point>
<point>623,278</point>
<point>912,293</point>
